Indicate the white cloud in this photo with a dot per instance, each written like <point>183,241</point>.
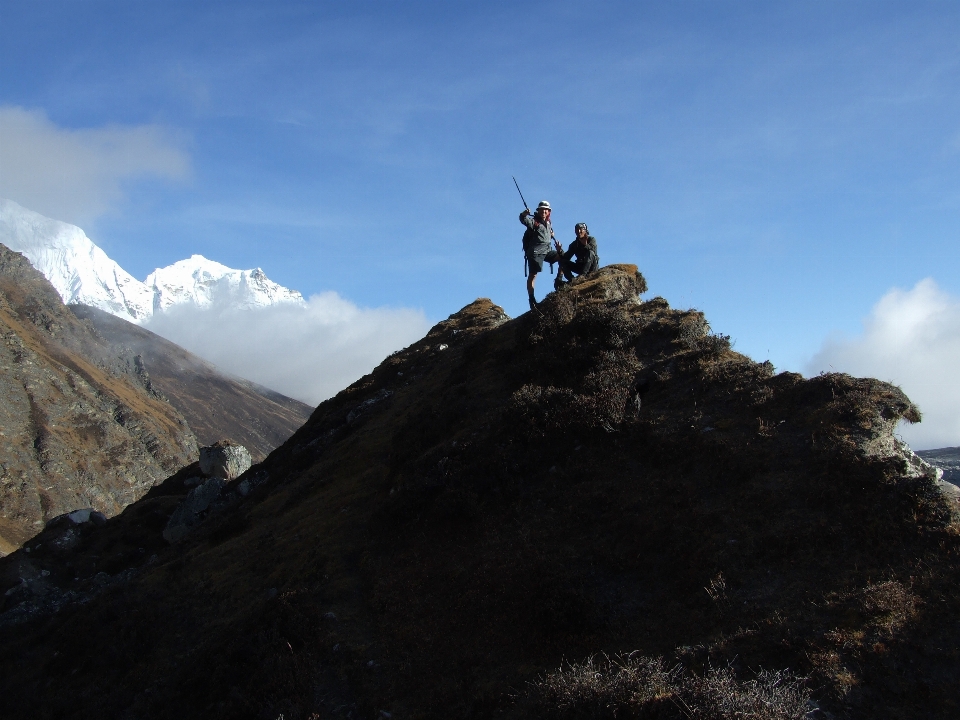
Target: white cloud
<point>307,352</point>
<point>77,175</point>
<point>912,339</point>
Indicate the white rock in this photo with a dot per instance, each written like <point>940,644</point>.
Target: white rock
<point>224,461</point>
<point>79,517</point>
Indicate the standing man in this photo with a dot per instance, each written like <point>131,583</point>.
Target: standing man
<point>536,244</point>
<point>584,249</point>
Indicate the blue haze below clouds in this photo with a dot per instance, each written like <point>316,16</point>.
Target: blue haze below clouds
<point>780,166</point>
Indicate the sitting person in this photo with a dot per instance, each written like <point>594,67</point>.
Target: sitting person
<point>584,249</point>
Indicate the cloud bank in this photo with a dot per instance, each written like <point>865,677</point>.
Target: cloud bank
<point>77,175</point>
<point>307,352</point>
<point>912,339</point>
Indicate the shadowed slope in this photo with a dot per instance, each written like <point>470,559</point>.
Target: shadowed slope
<point>505,494</point>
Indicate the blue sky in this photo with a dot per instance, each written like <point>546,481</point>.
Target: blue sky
<point>781,166</point>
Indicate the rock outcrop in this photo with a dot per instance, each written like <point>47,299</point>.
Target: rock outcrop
<point>191,511</point>
<point>219,463</point>
<point>225,460</point>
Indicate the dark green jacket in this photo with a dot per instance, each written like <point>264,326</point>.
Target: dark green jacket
<point>588,259</point>
<point>536,240</point>
<point>581,251</point>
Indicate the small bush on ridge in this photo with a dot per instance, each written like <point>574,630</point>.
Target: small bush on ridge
<point>633,686</point>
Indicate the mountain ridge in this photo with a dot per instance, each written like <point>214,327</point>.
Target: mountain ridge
<point>77,268</point>
<point>82,273</point>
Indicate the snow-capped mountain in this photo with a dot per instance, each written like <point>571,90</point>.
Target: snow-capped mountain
<point>82,273</point>
<point>79,270</point>
<point>206,283</point>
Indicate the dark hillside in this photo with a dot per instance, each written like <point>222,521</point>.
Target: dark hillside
<point>947,459</point>
<point>78,428</point>
<point>215,404</point>
<point>504,497</point>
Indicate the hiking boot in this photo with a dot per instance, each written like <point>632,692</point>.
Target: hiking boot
<point>533,303</point>
<point>559,284</point>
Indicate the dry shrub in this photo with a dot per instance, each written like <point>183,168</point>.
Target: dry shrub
<point>561,310</point>
<point>693,327</point>
<point>693,332</point>
<point>599,399</point>
<point>615,370</point>
<point>717,589</point>
<point>557,312</point>
<point>592,324</point>
<point>713,344</point>
<point>632,686</point>
<point>717,695</point>
<point>761,395</point>
<point>602,688</point>
<point>890,603</point>
<point>541,411</point>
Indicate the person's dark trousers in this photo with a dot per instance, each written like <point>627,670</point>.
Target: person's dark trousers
<point>579,267</point>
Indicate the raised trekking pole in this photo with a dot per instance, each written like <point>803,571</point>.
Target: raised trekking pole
<point>521,195</point>
<point>527,208</point>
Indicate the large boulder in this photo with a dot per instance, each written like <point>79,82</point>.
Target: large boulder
<point>225,460</point>
<point>611,283</point>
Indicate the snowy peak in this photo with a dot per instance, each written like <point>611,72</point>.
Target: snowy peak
<point>207,283</point>
<point>79,270</point>
<point>82,273</point>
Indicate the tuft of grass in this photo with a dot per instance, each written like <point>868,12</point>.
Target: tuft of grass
<point>635,686</point>
<point>602,687</point>
<point>717,695</point>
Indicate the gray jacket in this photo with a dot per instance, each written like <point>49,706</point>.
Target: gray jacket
<point>537,238</point>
